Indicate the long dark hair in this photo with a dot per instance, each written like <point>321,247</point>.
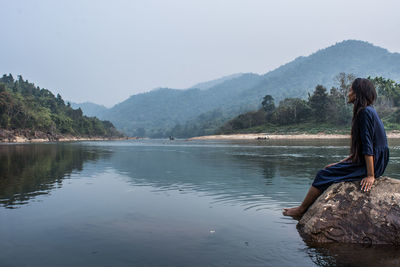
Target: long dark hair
<point>365,93</point>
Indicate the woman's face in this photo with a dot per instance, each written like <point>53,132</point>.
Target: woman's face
<point>351,96</point>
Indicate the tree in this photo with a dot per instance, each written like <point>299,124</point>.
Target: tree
<point>388,90</point>
<point>268,105</point>
<point>60,101</point>
<point>244,121</point>
<point>344,81</point>
<point>7,79</point>
<point>319,103</point>
<point>140,132</point>
<point>339,111</point>
<point>2,87</point>
<point>292,110</point>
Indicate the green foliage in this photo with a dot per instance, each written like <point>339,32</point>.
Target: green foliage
<point>388,90</point>
<point>321,111</point>
<point>24,106</point>
<point>395,117</point>
<point>246,120</point>
<point>291,110</point>
<point>344,82</point>
<point>319,102</point>
<point>268,105</point>
<point>204,124</point>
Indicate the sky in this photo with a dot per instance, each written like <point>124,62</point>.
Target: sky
<point>105,51</point>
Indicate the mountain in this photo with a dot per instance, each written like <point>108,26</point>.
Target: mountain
<point>161,109</point>
<point>297,78</point>
<point>89,109</point>
<point>212,83</point>
<point>157,111</point>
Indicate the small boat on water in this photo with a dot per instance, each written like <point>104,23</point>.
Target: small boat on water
<point>171,138</point>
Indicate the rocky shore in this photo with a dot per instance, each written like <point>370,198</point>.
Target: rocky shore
<point>29,136</point>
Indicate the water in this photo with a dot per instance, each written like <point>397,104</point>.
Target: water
<point>167,203</point>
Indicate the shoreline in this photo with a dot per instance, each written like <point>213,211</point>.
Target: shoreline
<point>266,136</point>
<point>22,139</point>
<point>28,136</point>
<point>26,140</point>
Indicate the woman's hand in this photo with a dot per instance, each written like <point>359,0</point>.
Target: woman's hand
<point>366,183</point>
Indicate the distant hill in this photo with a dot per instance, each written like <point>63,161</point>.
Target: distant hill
<point>89,109</point>
<point>159,110</point>
<point>155,113</point>
<point>209,84</point>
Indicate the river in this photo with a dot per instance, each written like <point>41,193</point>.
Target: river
<point>167,203</point>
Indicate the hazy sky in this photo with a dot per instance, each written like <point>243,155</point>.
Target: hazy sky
<point>105,51</point>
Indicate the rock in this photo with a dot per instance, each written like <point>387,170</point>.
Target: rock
<point>344,213</point>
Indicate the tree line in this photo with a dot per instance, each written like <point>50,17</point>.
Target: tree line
<point>25,106</point>
<point>320,107</point>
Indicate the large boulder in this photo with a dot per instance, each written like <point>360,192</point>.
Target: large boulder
<point>344,213</point>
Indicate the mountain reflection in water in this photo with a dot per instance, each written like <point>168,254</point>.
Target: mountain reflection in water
<point>27,171</point>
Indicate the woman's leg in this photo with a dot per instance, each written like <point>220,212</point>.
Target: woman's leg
<point>312,195</point>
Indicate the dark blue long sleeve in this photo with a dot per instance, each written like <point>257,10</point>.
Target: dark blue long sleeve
<point>366,125</point>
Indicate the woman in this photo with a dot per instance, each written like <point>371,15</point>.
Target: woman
<point>369,152</point>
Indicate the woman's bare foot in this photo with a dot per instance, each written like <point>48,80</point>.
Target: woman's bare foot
<point>294,212</point>
<point>297,212</point>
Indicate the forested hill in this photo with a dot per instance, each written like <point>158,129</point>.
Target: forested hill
<point>212,83</point>
<point>300,76</point>
<point>23,106</point>
<point>156,112</point>
<point>89,109</point>
<point>193,111</point>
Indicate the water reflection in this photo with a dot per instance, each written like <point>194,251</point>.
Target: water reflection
<point>249,173</point>
<point>147,195</point>
<point>27,171</point>
<point>354,255</point>
<point>254,175</point>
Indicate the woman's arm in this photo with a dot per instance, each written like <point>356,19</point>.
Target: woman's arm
<point>343,160</point>
<point>346,159</point>
<point>368,181</point>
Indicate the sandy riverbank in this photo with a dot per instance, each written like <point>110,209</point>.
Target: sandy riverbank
<point>263,136</point>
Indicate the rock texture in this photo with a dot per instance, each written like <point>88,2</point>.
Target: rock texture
<point>344,213</point>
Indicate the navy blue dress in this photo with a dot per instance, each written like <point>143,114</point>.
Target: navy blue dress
<point>374,142</point>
